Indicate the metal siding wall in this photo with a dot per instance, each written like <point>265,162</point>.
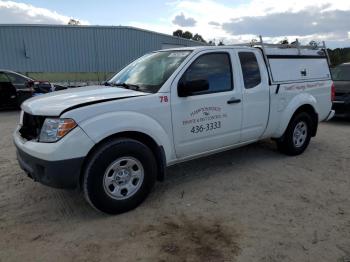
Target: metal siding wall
<point>76,49</point>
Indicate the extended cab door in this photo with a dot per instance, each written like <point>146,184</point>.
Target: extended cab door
<point>207,120</point>
<point>256,94</point>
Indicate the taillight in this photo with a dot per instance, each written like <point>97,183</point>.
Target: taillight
<point>332,92</point>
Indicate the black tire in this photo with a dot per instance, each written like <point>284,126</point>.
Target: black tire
<point>93,183</point>
<point>286,144</point>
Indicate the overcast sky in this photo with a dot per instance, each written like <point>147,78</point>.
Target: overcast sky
<point>232,21</point>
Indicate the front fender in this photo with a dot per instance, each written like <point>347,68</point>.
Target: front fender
<point>108,124</point>
<point>287,114</point>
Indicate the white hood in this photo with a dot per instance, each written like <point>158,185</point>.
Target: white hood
<point>53,104</point>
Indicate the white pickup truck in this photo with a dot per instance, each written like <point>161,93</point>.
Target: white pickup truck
<point>170,106</point>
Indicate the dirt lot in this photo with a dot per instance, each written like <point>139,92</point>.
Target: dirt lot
<point>249,204</point>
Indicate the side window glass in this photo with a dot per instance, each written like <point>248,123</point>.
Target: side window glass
<point>250,69</point>
<point>3,78</point>
<point>16,79</point>
<point>215,68</point>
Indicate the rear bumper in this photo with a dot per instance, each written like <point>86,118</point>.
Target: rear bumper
<point>58,174</point>
<point>342,108</point>
<point>330,115</point>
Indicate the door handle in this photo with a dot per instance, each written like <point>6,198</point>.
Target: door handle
<point>234,100</point>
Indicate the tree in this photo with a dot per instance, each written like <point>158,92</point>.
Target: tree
<point>178,33</point>
<point>198,38</point>
<point>221,43</point>
<point>187,35</point>
<point>339,56</point>
<point>73,22</point>
<point>284,42</point>
<point>314,44</point>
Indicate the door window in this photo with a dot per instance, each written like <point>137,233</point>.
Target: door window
<point>215,68</point>
<point>250,69</point>
<point>16,79</point>
<point>3,78</point>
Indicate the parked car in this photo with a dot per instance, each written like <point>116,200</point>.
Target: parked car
<point>168,107</point>
<point>16,88</point>
<point>341,78</point>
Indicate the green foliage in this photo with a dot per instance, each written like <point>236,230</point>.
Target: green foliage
<point>284,42</point>
<point>178,33</point>
<point>198,38</point>
<point>73,22</point>
<point>339,56</point>
<point>189,35</point>
<point>314,44</point>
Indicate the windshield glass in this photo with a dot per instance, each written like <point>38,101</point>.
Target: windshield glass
<point>341,73</point>
<point>150,72</point>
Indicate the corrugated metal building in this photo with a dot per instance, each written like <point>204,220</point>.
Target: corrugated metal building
<point>77,53</point>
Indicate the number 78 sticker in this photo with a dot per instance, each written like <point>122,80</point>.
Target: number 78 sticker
<point>164,99</point>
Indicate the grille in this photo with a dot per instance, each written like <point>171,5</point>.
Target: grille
<point>31,127</point>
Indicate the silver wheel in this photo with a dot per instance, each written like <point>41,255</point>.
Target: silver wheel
<point>123,178</point>
<point>300,134</point>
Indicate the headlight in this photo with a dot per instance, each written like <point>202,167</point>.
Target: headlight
<point>55,128</point>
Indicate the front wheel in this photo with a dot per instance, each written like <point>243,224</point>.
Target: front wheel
<point>119,176</point>
<point>297,136</point>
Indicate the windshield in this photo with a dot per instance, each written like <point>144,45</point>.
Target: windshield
<point>150,72</point>
<point>341,73</point>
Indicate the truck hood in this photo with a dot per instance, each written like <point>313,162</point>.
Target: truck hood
<point>53,104</point>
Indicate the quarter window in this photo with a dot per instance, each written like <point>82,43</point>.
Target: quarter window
<point>250,69</point>
<point>215,68</point>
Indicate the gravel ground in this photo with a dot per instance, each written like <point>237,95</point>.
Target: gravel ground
<point>248,204</point>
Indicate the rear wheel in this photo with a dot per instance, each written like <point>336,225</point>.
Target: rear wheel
<point>119,176</point>
<point>297,136</point>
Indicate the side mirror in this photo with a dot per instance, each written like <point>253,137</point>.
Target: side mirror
<point>187,88</point>
<point>29,83</point>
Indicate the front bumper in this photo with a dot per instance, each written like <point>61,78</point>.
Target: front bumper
<point>58,174</point>
<point>54,164</point>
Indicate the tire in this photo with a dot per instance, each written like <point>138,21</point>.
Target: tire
<point>297,136</point>
<point>119,176</point>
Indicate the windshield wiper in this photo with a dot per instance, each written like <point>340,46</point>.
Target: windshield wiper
<point>125,85</point>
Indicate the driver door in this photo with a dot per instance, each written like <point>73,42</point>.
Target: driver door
<point>208,120</point>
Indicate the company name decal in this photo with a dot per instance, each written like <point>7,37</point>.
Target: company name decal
<point>304,86</point>
<point>204,114</point>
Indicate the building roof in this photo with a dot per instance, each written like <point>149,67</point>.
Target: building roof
<point>97,27</point>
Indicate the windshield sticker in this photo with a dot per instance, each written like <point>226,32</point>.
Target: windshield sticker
<point>179,54</point>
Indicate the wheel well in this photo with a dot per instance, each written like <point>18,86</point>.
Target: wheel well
<point>157,150</point>
<point>314,116</point>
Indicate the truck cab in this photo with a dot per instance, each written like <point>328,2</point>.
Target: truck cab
<point>167,107</point>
